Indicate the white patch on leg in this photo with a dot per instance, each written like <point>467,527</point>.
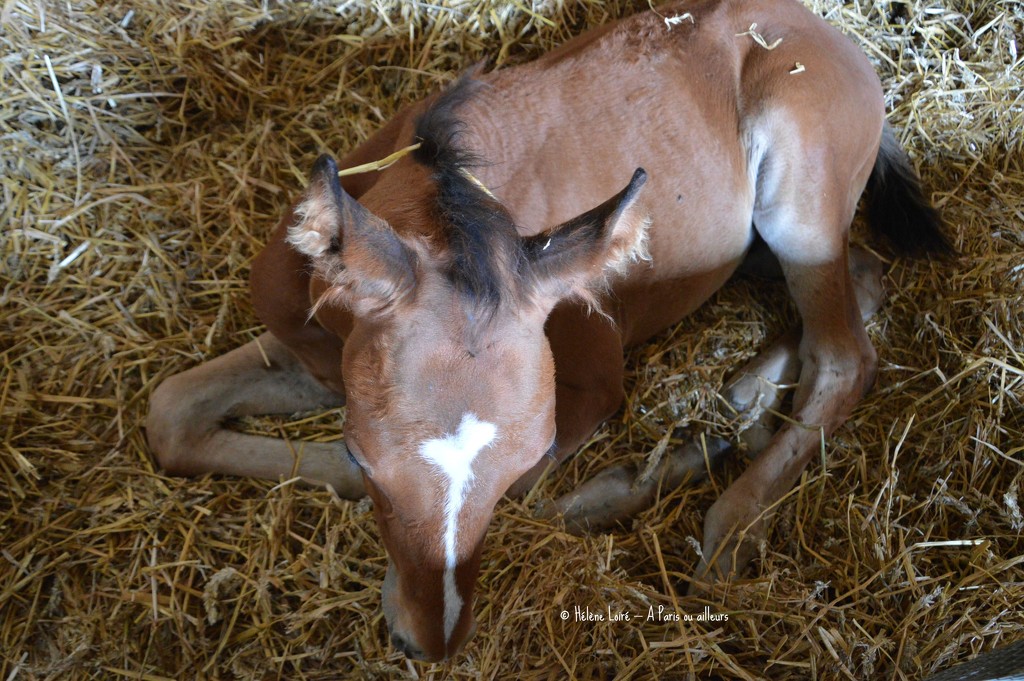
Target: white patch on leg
<point>454,455</point>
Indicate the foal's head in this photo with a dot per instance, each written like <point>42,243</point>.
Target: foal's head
<point>449,376</point>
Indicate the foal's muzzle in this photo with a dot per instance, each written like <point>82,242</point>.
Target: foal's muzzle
<point>401,630</point>
<point>407,649</point>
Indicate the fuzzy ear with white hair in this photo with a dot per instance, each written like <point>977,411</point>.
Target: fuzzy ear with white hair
<point>578,257</point>
<point>366,264</point>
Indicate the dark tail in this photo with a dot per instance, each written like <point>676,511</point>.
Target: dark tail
<point>898,209</point>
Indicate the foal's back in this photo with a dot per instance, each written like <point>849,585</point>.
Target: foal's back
<point>702,107</point>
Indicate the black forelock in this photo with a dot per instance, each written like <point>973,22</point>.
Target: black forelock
<point>483,241</point>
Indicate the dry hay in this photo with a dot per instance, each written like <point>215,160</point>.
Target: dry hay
<point>145,155</point>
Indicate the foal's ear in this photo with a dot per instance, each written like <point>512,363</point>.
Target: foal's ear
<point>579,255</point>
<point>357,253</point>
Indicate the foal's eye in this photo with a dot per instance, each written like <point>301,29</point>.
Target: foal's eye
<point>351,456</point>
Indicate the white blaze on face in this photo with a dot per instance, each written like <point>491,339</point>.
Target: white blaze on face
<point>453,455</point>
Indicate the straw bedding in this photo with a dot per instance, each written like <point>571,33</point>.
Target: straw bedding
<point>146,151</point>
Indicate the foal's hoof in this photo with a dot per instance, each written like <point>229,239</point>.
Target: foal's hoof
<point>733,534</point>
<point>728,560</point>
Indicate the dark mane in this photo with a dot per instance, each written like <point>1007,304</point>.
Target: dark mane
<point>482,238</point>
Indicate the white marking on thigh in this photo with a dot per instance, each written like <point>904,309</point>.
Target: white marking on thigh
<point>454,455</point>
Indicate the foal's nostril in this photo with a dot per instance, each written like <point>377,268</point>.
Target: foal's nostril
<point>405,647</point>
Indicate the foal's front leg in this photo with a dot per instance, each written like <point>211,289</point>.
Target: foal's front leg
<point>186,423</point>
<point>754,394</point>
<point>619,492</point>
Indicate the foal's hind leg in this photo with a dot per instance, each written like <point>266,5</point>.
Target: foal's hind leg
<point>186,423</point>
<point>838,366</point>
<point>805,223</point>
<point>754,394</point>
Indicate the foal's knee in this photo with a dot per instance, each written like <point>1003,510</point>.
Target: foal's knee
<point>840,369</point>
<point>175,426</point>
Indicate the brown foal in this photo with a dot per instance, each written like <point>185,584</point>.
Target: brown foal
<point>473,300</point>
